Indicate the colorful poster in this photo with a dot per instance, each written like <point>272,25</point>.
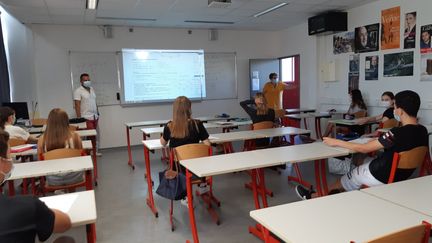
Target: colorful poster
<point>399,64</point>
<point>410,30</point>
<point>343,43</point>
<point>353,81</point>
<point>426,67</point>
<point>354,63</point>
<point>390,28</point>
<point>366,38</point>
<point>371,68</point>
<point>425,39</point>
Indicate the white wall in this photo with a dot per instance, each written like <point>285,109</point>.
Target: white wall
<point>52,43</point>
<point>295,40</point>
<point>18,42</point>
<point>336,92</point>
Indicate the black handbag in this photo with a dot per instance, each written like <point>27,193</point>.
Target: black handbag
<point>172,184</point>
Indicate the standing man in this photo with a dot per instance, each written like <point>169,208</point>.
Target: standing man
<point>85,105</point>
<point>273,93</point>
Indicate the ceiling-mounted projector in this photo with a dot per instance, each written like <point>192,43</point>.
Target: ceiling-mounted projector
<point>219,3</point>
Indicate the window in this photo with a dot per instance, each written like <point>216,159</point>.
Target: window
<point>287,69</point>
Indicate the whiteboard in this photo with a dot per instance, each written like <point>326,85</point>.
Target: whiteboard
<point>221,75</point>
<point>104,71</point>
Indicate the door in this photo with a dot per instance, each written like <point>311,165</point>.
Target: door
<point>259,70</point>
<point>290,73</point>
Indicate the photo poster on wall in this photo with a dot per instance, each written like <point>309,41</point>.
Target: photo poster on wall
<point>426,67</point>
<point>366,38</point>
<point>343,42</point>
<point>371,67</point>
<point>390,28</point>
<point>399,64</point>
<point>410,30</point>
<point>353,81</point>
<point>425,39</point>
<point>354,63</point>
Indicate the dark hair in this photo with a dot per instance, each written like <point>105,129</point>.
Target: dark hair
<point>357,99</point>
<point>84,75</point>
<point>4,138</point>
<point>271,75</point>
<point>409,101</point>
<point>5,113</point>
<point>413,14</point>
<point>389,94</point>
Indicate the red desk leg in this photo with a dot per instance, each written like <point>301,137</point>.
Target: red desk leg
<point>89,184</point>
<point>258,230</point>
<point>95,170</point>
<point>318,177</point>
<point>324,176</point>
<point>298,178</point>
<point>91,233</point>
<point>305,123</point>
<point>11,188</point>
<point>130,162</point>
<point>150,200</point>
<point>190,205</point>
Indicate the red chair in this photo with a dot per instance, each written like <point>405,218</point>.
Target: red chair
<point>416,234</point>
<point>192,151</point>
<point>61,154</point>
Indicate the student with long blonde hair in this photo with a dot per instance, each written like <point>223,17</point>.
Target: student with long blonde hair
<point>258,109</point>
<point>183,129</point>
<point>57,136</point>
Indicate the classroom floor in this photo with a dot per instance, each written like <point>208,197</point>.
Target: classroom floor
<point>123,215</point>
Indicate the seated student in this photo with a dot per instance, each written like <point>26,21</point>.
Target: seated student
<point>259,112</point>
<point>357,106</point>
<point>24,217</point>
<point>376,171</point>
<point>183,129</point>
<point>387,100</point>
<point>57,136</point>
<point>7,119</point>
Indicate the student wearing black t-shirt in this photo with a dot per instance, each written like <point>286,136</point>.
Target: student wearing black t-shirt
<point>184,130</point>
<point>22,218</point>
<point>259,112</point>
<point>376,171</point>
<point>387,100</point>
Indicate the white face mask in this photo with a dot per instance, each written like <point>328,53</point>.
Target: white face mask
<point>385,103</point>
<point>13,120</point>
<point>87,84</point>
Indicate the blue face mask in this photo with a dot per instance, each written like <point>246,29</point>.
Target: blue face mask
<point>397,117</point>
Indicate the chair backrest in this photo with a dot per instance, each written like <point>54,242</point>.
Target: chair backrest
<point>16,141</point>
<point>262,125</point>
<point>39,121</point>
<point>192,151</point>
<point>62,153</point>
<point>360,114</point>
<point>410,159</point>
<point>416,234</point>
<point>389,123</point>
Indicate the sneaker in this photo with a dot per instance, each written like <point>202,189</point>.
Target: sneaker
<point>59,192</point>
<point>303,193</point>
<point>98,154</point>
<point>203,188</point>
<point>184,202</point>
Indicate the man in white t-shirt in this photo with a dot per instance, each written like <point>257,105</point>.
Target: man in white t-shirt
<point>85,104</point>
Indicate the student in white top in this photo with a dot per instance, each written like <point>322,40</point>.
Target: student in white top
<point>85,104</point>
<point>7,119</point>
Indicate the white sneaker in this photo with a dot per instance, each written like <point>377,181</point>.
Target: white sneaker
<point>185,201</point>
<point>203,188</point>
<point>59,192</point>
